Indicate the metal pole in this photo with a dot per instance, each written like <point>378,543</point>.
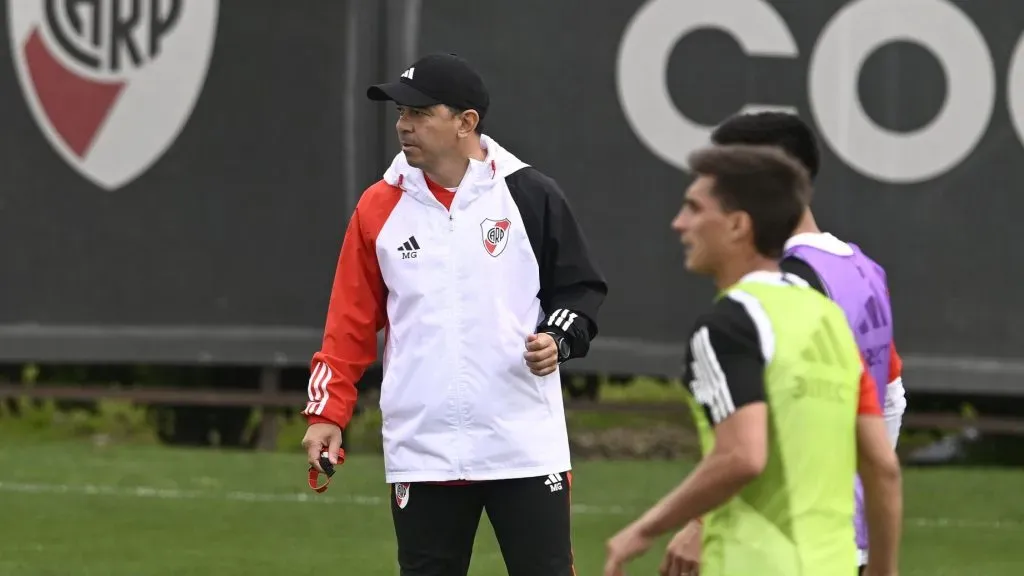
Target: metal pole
<point>270,385</point>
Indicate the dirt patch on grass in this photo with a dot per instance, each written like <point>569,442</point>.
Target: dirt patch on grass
<point>655,442</point>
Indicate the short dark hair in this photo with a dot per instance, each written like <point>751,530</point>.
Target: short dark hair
<point>762,181</point>
<point>787,131</point>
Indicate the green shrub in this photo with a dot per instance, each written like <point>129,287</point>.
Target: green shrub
<point>109,420</point>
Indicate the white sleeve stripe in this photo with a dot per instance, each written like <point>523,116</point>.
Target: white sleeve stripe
<point>325,377</point>
<point>568,321</point>
<point>551,319</point>
<point>710,377</point>
<point>312,390</point>
<point>562,318</point>
<point>317,389</point>
<point>895,406</point>
<point>763,324</point>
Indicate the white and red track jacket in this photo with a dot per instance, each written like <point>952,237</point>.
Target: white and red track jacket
<point>458,281</point>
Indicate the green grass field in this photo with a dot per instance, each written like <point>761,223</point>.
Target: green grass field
<point>77,509</point>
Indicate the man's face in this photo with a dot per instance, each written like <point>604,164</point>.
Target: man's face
<point>427,134</point>
<point>704,228</point>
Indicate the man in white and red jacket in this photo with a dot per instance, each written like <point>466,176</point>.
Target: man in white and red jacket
<point>474,265</point>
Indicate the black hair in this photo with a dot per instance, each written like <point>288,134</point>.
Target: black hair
<point>787,131</point>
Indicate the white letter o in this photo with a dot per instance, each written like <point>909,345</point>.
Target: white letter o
<point>643,57</point>
<point>855,32</point>
<point>1015,89</point>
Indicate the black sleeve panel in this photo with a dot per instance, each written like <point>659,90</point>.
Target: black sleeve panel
<point>725,365</point>
<point>572,289</point>
<point>798,267</point>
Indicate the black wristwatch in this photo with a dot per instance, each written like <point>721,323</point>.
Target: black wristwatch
<point>563,346</point>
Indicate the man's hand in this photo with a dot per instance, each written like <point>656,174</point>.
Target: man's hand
<point>631,542</point>
<point>319,437</point>
<point>682,556</point>
<point>541,354</point>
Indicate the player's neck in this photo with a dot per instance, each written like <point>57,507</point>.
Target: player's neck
<point>807,224</point>
<point>732,271</point>
<point>449,173</point>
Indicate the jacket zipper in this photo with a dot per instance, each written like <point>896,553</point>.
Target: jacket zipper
<point>453,301</point>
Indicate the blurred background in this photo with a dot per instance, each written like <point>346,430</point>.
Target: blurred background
<point>176,177</point>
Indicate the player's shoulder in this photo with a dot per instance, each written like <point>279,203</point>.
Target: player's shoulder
<point>379,191</point>
<point>376,204</point>
<point>794,265</point>
<point>530,181</point>
<point>867,258</point>
<point>729,309</point>
<point>729,323</point>
<point>379,195</point>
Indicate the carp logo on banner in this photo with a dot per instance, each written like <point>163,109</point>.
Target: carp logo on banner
<point>495,235</point>
<point>111,83</point>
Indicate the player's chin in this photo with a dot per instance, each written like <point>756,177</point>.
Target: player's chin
<point>693,261</point>
<point>413,155</point>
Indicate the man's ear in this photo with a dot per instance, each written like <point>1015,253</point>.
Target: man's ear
<point>468,121</point>
<point>740,224</point>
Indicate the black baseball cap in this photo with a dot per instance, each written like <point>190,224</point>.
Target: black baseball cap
<point>436,79</point>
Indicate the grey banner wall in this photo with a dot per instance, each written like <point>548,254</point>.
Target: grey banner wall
<point>610,100</point>
<point>223,248</point>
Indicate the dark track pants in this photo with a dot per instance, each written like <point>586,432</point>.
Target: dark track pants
<point>438,523</point>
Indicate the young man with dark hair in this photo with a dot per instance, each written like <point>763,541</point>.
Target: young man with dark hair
<point>787,411</point>
<point>838,269</point>
<point>858,284</point>
<point>473,263</point>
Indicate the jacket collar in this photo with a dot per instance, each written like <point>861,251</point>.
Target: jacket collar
<point>822,241</point>
<point>480,177</point>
